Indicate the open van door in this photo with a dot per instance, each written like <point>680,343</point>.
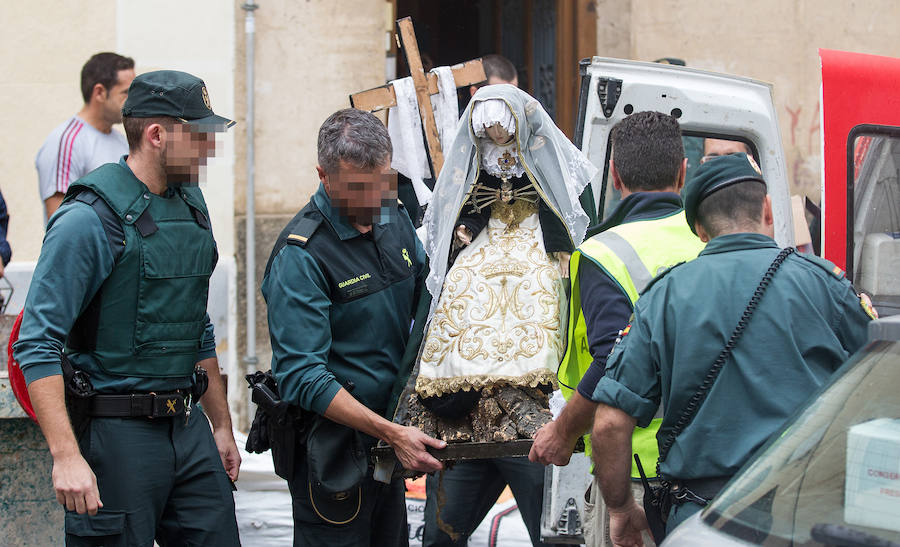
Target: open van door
<point>861,188</point>
<point>706,105</point>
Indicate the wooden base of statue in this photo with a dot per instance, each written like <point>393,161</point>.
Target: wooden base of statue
<point>503,414</point>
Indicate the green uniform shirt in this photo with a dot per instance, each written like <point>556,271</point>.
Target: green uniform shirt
<point>75,260</point>
<point>322,334</point>
<point>806,325</point>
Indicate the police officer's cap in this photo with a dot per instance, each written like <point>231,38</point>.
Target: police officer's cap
<point>715,174</point>
<point>173,94</point>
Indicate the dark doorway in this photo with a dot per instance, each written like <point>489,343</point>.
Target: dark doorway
<point>545,39</point>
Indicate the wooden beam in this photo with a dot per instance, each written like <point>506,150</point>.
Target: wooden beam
<point>420,82</point>
<point>379,98</point>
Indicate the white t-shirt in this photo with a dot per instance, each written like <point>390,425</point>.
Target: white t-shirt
<point>74,149</point>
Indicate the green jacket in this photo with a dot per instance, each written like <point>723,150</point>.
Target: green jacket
<point>340,305</point>
<point>806,325</point>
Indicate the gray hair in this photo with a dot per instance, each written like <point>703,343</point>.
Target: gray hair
<point>354,136</point>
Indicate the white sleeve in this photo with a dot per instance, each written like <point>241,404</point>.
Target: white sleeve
<point>61,159</point>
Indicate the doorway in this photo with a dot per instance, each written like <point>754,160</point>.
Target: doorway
<point>544,39</point>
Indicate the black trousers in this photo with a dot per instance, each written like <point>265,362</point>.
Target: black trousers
<point>159,479</point>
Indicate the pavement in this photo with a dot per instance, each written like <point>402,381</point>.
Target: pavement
<point>263,507</point>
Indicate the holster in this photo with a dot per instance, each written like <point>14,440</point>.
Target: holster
<point>277,425</point>
<point>286,441</point>
<point>78,393</point>
<point>657,503</point>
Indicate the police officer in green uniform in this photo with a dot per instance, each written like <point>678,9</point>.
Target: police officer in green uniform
<point>646,233</point>
<point>341,288</point>
<point>118,302</point>
<point>806,324</point>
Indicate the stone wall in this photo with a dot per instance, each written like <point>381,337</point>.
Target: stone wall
<point>310,56</point>
<point>770,40</point>
<point>45,43</point>
<point>29,513</point>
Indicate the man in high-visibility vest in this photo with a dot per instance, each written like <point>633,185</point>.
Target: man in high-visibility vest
<point>644,235</point>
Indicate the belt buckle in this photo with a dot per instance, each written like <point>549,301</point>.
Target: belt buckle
<point>168,406</point>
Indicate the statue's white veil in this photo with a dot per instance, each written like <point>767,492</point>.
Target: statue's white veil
<point>558,169</point>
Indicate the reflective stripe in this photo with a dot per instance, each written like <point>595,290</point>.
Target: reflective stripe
<point>638,272</point>
<point>663,243</point>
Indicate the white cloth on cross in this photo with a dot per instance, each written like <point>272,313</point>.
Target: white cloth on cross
<point>405,128</point>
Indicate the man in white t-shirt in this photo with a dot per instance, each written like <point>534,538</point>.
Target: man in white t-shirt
<point>86,140</point>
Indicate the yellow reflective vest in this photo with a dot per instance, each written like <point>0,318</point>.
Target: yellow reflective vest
<point>631,254</point>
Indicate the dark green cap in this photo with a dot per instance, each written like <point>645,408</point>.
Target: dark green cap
<point>173,94</point>
<point>717,173</point>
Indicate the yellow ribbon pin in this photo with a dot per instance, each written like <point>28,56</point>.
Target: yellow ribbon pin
<point>406,258</point>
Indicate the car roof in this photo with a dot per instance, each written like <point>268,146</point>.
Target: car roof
<point>885,329</point>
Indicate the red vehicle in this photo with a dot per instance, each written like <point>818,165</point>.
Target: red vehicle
<point>861,190</point>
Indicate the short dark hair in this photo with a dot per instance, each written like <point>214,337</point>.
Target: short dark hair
<point>354,136</point>
<point>498,66</point>
<point>734,206</point>
<point>134,128</point>
<point>647,151</point>
<point>102,68</point>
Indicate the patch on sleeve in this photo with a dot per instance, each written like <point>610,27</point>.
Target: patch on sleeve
<point>867,307</point>
<point>839,273</point>
<point>622,334</point>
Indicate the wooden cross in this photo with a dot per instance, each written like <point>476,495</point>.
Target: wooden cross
<point>380,98</point>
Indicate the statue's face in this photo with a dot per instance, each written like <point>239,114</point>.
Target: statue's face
<point>498,134</point>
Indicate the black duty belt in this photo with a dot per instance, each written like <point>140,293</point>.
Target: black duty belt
<point>134,405</point>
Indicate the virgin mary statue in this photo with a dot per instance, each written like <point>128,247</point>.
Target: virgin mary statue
<point>504,219</point>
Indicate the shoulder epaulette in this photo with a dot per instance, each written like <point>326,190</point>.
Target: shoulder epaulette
<point>826,265</point>
<point>304,230</point>
<point>661,275</point>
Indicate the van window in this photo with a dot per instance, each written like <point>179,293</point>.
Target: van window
<point>834,465</point>
<point>698,148</point>
<point>873,173</point>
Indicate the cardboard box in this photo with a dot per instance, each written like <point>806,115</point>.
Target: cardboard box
<point>872,483</point>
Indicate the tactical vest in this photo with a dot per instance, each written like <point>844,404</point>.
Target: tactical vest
<point>341,261</point>
<point>148,318</point>
<point>631,254</point>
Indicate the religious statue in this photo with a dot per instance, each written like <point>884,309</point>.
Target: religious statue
<point>504,219</point>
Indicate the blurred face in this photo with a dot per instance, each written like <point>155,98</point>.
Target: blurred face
<point>361,195</point>
<point>116,95</point>
<point>188,146</point>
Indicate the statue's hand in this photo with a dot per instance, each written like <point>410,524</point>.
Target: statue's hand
<point>563,259</point>
<point>463,236</point>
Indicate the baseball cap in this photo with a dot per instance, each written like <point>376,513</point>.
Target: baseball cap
<point>174,94</point>
<point>337,464</point>
<point>717,173</point>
